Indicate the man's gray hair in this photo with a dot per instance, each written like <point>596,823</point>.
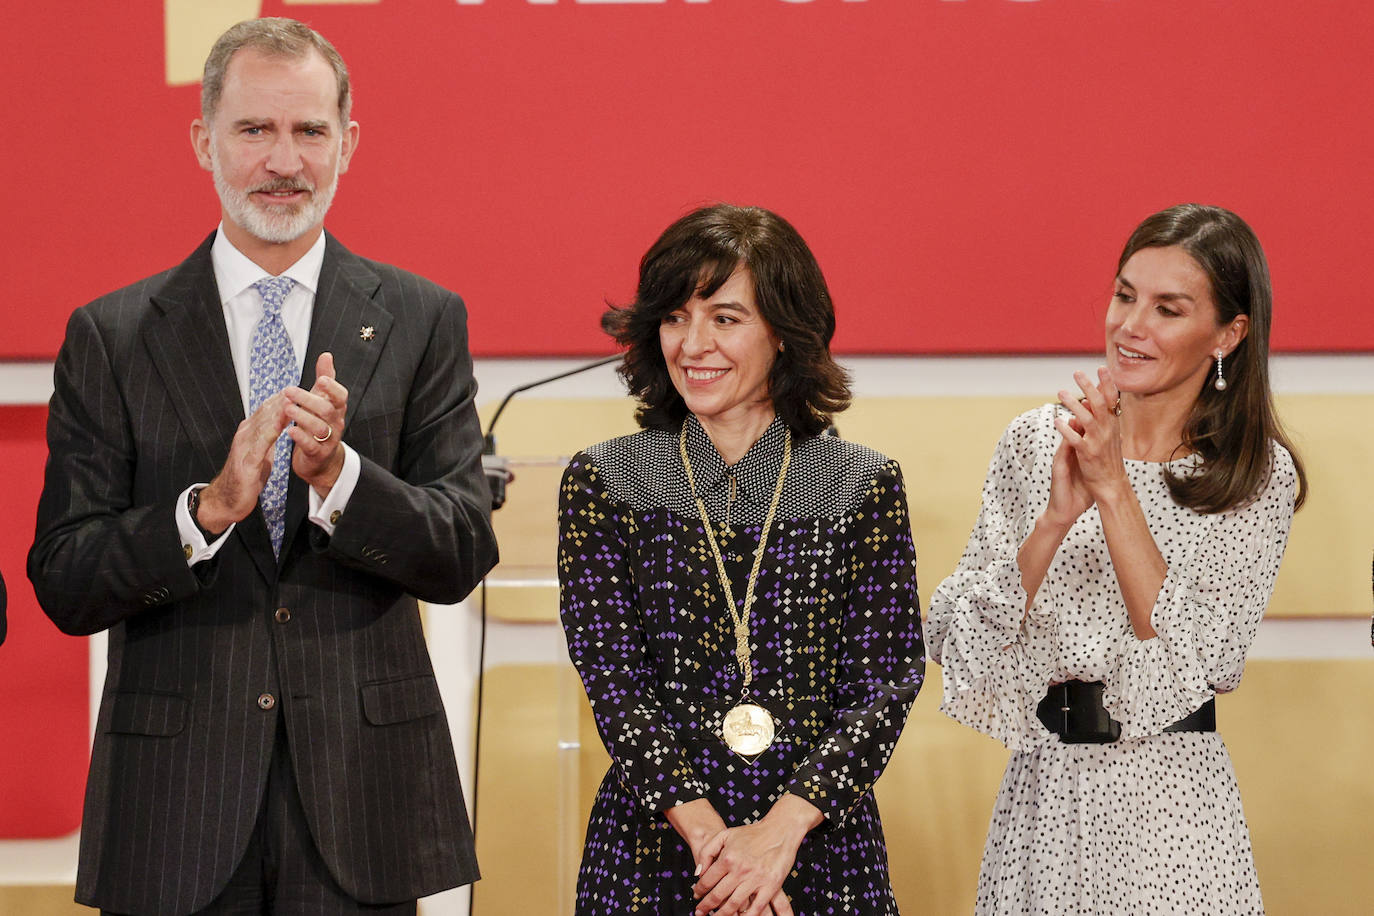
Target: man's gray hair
<point>274,37</point>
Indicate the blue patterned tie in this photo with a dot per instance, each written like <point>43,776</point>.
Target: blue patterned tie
<point>272,367</point>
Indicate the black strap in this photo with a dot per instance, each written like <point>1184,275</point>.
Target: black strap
<point>1073,710</point>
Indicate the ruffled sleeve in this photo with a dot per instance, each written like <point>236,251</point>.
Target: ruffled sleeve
<point>600,609</point>
<point>996,658</point>
<point>1207,612</point>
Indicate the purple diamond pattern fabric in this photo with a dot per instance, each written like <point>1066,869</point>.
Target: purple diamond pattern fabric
<point>836,646</point>
<point>272,367</point>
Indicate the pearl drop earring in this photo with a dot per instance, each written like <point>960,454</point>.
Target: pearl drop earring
<point>1220,383</point>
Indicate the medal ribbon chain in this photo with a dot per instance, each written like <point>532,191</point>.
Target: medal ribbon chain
<point>740,618</point>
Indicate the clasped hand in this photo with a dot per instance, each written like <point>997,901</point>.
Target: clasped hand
<point>740,870</point>
<point>1088,463</point>
<point>318,418</point>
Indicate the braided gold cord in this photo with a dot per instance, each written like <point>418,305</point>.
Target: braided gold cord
<point>740,618</point>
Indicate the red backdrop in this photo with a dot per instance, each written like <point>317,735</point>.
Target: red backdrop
<point>43,674</point>
<point>966,171</point>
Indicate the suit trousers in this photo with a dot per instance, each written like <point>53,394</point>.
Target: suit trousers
<point>282,871</point>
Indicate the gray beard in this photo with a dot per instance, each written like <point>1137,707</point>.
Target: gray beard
<point>276,223</point>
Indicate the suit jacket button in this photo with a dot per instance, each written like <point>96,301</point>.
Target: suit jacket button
<point>282,615</point>
<point>266,701</point>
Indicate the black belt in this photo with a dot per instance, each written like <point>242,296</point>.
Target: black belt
<point>1073,710</point>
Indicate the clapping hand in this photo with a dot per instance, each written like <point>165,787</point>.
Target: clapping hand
<point>234,492</point>
<point>1087,470</point>
<point>318,415</point>
<point>1088,460</point>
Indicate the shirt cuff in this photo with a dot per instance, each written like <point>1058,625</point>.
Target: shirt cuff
<point>326,512</point>
<point>193,543</point>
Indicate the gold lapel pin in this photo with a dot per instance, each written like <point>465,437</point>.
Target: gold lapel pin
<point>366,332</point>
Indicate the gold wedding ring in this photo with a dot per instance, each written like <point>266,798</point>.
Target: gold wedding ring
<point>1116,408</point>
<point>325,437</point>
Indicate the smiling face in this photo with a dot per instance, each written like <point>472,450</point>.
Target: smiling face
<point>719,351</point>
<point>1162,331</point>
<point>276,148</point>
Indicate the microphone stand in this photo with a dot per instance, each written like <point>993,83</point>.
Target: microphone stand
<point>496,467</point>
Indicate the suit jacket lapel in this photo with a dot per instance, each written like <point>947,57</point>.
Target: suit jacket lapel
<point>351,321</point>
<point>189,346</point>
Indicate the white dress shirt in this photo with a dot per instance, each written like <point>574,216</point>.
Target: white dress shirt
<point>235,275</point>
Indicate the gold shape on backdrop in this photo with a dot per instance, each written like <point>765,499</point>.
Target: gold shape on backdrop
<point>190,28</point>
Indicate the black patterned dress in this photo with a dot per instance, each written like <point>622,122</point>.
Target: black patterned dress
<point>836,652</point>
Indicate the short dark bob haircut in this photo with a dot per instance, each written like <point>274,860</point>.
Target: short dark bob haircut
<point>696,256</point>
<point>1232,429</point>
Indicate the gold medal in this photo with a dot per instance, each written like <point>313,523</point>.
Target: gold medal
<point>747,730</point>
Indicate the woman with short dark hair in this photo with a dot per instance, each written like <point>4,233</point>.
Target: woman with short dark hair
<point>698,254</point>
<point>739,595</point>
<point>1125,552</point>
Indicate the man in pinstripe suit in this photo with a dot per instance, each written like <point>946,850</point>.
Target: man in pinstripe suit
<point>270,735</point>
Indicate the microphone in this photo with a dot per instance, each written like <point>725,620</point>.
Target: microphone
<point>495,466</point>
<point>497,470</point>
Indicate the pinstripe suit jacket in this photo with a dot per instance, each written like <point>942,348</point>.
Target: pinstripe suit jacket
<point>145,403</point>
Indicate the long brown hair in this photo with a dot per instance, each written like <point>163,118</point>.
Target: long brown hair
<point>696,255</point>
<point>1232,429</point>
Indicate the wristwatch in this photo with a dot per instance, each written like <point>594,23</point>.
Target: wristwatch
<point>192,504</point>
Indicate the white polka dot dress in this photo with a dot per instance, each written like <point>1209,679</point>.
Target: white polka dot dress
<point>1152,823</point>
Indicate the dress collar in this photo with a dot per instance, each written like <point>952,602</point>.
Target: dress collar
<point>756,474</point>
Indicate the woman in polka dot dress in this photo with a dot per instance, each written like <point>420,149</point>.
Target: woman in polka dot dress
<point>1125,551</point>
<point>739,596</point>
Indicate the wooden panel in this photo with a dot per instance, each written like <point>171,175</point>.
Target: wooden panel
<point>944,445</point>
<point>1290,717</point>
<point>936,798</point>
<point>41,900</point>
<point>1326,570</point>
<point>529,835</point>
<point>1301,734</point>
